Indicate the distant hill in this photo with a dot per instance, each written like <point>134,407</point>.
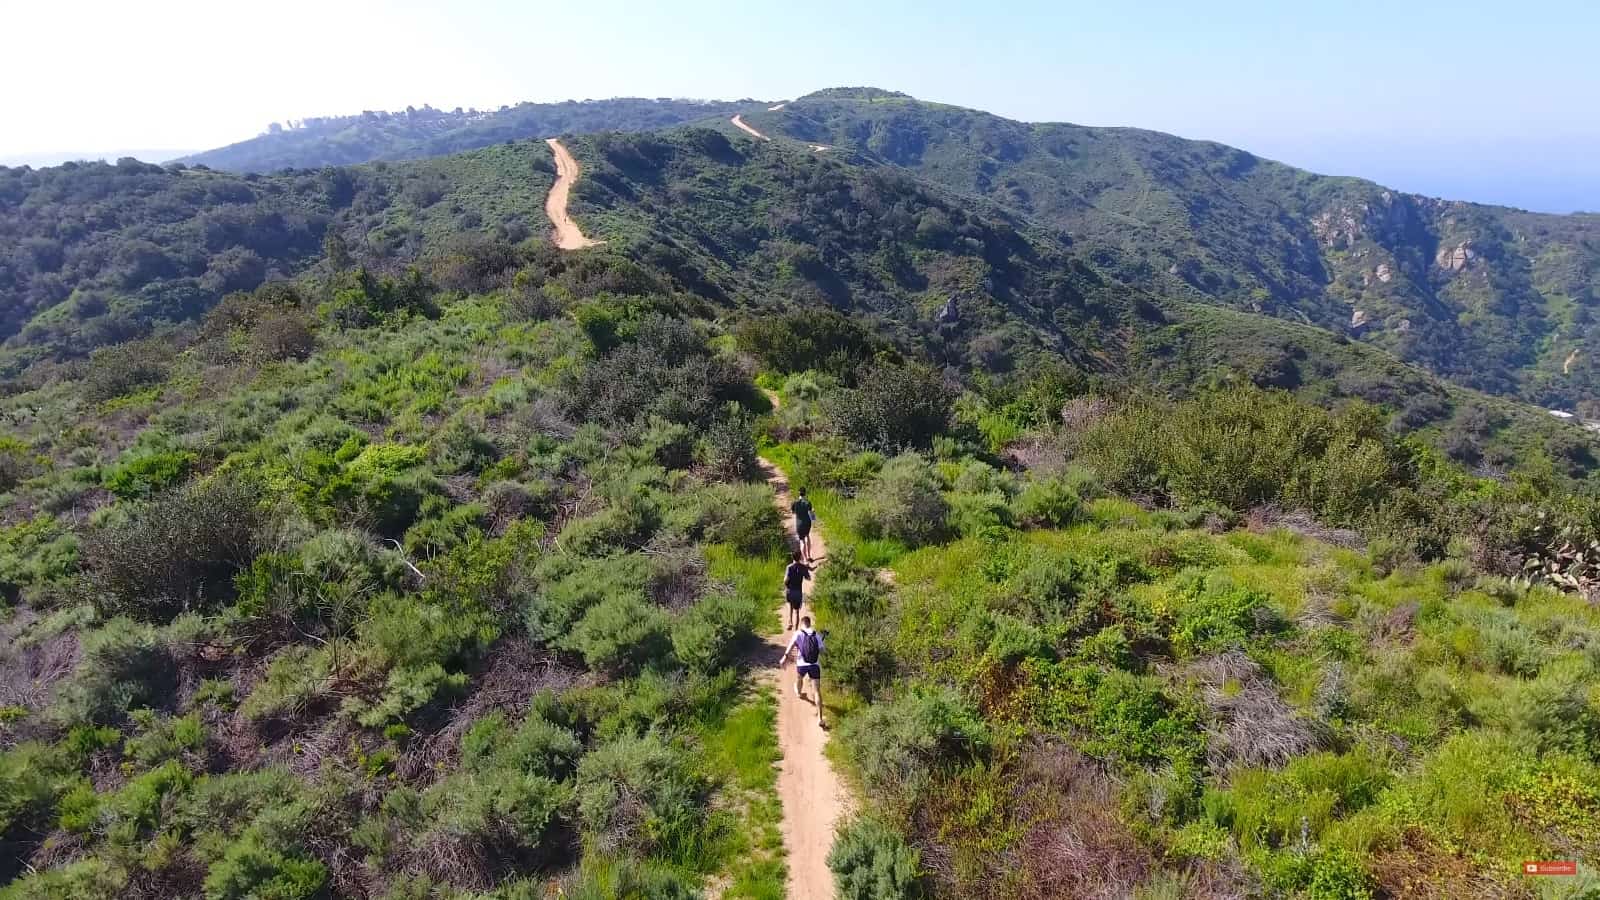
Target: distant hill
<point>416,133</point>
<point>1496,298</point>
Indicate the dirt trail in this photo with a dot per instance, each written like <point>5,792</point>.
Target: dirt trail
<point>739,122</point>
<point>1566,367</point>
<point>814,800</point>
<point>568,235</point>
<point>777,107</point>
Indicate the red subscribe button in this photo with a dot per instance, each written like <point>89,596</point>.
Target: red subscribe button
<point>1550,867</point>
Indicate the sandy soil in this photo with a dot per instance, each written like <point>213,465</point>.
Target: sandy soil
<point>740,123</point>
<point>568,235</point>
<point>814,800</point>
<point>1566,367</point>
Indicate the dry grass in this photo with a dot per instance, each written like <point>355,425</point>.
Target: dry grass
<point>1301,522</point>
<point>1251,724</point>
<point>1419,870</point>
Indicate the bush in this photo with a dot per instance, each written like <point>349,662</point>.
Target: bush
<point>972,515</point>
<point>626,879</point>
<point>254,866</point>
<point>176,552</point>
<point>893,406</point>
<point>870,861</point>
<point>729,447</point>
<point>123,665</point>
<point>742,516</point>
<point>1049,503</point>
<point>802,339</point>
<point>904,503</point>
<point>496,811</point>
<point>537,746</point>
<point>703,639</point>
<point>640,795</point>
<point>142,474</point>
<point>900,744</point>
<point>621,634</point>
<point>124,368</point>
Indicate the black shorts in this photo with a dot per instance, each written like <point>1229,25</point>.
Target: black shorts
<point>812,671</point>
<point>802,527</point>
<point>795,598</point>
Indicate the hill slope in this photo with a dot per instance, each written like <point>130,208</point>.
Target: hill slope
<point>1489,297</point>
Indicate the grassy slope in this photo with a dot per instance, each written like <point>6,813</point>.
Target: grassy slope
<point>379,800</point>
<point>1440,728</point>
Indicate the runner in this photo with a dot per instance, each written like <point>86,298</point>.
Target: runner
<point>794,587</point>
<point>804,518</point>
<point>808,642</point>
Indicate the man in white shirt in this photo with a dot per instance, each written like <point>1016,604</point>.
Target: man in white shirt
<point>807,645</point>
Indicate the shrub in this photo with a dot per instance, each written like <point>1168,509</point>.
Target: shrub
<point>802,339</point>
<point>1214,615</point>
<point>496,811</point>
<point>124,368</point>
<point>253,866</point>
<point>1113,714</point>
<point>32,777</point>
<point>904,503</point>
<point>742,516</point>
<point>1051,502</point>
<point>893,406</point>
<point>176,552</point>
<point>572,585</point>
<point>621,634</point>
<point>86,879</point>
<point>142,474</point>
<point>627,879</point>
<point>537,746</point>
<point>870,861</point>
<point>704,638</point>
<point>972,515</point>
<point>729,447</point>
<point>641,795</point>
<point>124,665</point>
<point>900,744</point>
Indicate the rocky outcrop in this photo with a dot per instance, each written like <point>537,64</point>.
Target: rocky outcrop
<point>1458,258</point>
<point>1358,319</point>
<point>1384,273</point>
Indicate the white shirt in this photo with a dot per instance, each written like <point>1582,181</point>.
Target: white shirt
<point>794,645</point>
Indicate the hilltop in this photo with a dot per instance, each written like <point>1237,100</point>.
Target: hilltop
<point>417,133</point>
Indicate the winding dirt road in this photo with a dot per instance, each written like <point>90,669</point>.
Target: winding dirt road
<point>567,233</point>
<point>739,122</point>
<point>814,800</point>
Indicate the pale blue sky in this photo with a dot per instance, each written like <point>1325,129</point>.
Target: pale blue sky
<point>1466,99</point>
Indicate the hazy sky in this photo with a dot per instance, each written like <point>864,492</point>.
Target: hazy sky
<point>1489,101</point>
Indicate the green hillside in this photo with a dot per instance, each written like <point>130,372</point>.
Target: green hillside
<point>1488,297</point>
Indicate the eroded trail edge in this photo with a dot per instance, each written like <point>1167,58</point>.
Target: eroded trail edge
<point>814,799</point>
<point>567,233</point>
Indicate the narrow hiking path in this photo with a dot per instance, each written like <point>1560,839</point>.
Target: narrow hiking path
<point>814,800</point>
<point>739,122</point>
<point>568,235</point>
